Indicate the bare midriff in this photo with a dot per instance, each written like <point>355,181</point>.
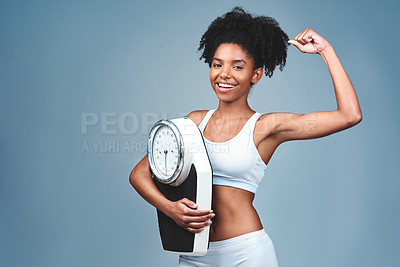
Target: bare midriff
<point>234,213</point>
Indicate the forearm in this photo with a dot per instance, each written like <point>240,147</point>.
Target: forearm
<point>346,98</point>
<point>141,179</point>
<point>184,211</point>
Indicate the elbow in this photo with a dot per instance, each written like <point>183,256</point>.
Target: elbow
<point>357,118</point>
<point>354,119</point>
<point>140,173</point>
<point>132,178</point>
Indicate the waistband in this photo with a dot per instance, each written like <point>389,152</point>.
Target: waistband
<point>245,185</point>
<point>248,237</point>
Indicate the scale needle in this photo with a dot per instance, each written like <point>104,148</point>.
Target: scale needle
<point>165,152</point>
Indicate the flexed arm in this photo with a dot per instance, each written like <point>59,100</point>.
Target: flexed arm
<point>293,126</point>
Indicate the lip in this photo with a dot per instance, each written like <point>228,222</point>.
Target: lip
<point>225,90</point>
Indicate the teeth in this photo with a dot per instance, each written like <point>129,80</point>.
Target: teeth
<point>225,85</point>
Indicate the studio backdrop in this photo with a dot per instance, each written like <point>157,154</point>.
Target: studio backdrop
<point>82,82</point>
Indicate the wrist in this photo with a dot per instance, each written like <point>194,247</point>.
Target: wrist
<point>328,55</point>
<point>326,51</point>
<point>165,206</point>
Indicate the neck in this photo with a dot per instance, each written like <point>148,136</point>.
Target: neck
<point>234,109</point>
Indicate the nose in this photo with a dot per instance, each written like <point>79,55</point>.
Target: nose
<point>225,73</point>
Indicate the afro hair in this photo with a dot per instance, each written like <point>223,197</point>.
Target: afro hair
<point>260,36</point>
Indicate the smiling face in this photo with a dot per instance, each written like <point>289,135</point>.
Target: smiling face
<point>232,72</point>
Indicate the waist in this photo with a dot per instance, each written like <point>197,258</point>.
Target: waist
<point>234,213</point>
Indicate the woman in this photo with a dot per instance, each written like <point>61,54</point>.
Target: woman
<point>240,141</point>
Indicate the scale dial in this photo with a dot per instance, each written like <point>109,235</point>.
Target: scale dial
<point>165,151</point>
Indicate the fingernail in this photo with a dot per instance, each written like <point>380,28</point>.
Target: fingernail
<point>212,215</point>
<point>209,222</point>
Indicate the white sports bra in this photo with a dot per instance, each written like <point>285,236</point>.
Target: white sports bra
<point>236,162</point>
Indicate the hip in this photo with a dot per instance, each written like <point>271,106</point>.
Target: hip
<point>250,249</point>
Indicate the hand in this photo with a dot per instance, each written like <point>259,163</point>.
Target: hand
<point>308,41</point>
<point>184,212</point>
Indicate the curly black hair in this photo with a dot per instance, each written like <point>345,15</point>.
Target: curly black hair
<point>261,37</point>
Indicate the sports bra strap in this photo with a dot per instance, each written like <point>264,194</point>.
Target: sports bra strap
<point>206,119</point>
<point>252,121</point>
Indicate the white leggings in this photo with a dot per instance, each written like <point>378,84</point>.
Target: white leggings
<point>253,249</point>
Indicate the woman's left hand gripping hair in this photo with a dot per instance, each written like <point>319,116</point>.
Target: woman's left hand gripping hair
<point>308,41</point>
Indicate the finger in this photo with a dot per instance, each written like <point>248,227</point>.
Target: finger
<point>198,225</point>
<point>203,218</point>
<point>312,36</point>
<point>192,212</point>
<point>312,33</point>
<point>304,37</point>
<point>194,230</point>
<point>304,34</point>
<point>315,37</point>
<point>300,41</point>
<point>296,44</point>
<point>189,203</point>
<point>298,38</point>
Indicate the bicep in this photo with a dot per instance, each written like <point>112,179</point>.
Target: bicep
<point>295,126</point>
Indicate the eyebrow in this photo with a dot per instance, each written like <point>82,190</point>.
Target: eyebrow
<point>236,60</point>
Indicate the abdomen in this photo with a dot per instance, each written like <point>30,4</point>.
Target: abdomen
<point>234,213</point>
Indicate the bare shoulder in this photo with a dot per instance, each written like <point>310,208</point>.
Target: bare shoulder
<point>197,116</point>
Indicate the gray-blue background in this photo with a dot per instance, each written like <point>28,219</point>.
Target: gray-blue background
<point>326,202</point>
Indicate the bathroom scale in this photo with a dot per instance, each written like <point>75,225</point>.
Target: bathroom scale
<point>180,168</point>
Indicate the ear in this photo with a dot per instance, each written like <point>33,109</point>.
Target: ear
<point>257,74</point>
